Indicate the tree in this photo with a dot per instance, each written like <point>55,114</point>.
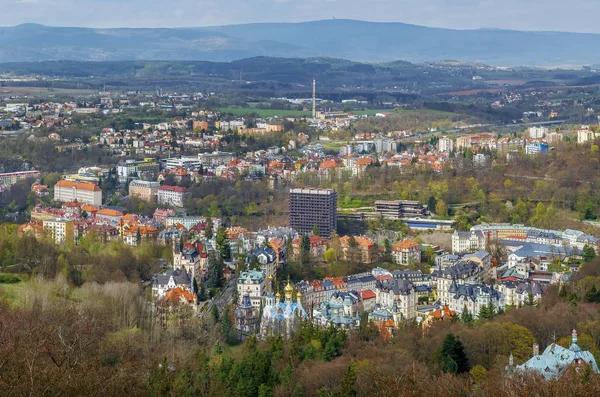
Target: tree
<point>223,243</point>
<point>348,385</point>
<point>208,231</point>
<point>138,237</point>
<point>452,357</point>
<point>329,256</point>
<point>254,263</point>
<point>227,330</point>
<point>316,231</point>
<point>388,250</point>
<point>588,253</point>
<point>441,209</point>
<point>214,272</point>
<point>84,214</point>
<point>305,244</point>
<point>467,317</point>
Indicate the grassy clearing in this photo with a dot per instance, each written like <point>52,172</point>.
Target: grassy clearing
<point>13,293</point>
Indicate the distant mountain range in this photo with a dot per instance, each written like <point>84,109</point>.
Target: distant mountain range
<point>347,39</point>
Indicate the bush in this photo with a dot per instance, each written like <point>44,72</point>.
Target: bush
<point>6,278</point>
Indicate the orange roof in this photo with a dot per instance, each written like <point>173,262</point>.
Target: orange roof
<point>367,294</point>
<point>316,240</point>
<point>404,245</point>
<point>329,164</point>
<point>144,231</point>
<point>109,212</point>
<point>444,312</point>
<point>364,161</point>
<point>89,208</point>
<point>178,295</point>
<point>276,243</point>
<point>78,185</point>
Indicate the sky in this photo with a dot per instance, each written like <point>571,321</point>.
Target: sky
<point>556,15</point>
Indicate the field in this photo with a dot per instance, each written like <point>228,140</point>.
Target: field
<point>44,91</point>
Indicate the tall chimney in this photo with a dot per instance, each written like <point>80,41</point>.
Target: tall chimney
<point>314,99</point>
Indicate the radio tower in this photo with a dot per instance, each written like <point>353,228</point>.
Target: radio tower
<point>314,99</point>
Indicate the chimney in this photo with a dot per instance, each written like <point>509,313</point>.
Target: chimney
<point>536,349</point>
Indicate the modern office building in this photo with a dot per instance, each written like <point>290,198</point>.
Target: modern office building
<point>134,168</point>
<point>399,209</point>
<point>310,207</point>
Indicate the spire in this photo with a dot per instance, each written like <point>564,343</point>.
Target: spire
<point>511,360</point>
<point>288,291</point>
<point>574,346</point>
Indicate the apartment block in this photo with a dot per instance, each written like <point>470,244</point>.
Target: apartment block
<point>172,195</point>
<point>83,192</point>
<point>146,191</point>
<point>310,207</point>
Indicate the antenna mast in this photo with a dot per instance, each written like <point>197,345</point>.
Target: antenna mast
<point>314,99</point>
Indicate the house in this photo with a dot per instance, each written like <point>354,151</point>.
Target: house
<point>363,251</point>
<point>473,298</point>
<point>252,283</point>
<point>468,241</point>
<point>406,252</point>
<point>318,246</point>
<point>398,296</point>
<point>178,278</point>
<point>138,234</point>
<point>464,271</point>
<point>267,259</point>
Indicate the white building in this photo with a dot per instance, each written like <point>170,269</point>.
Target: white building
<point>183,162</point>
<point>468,241</point>
<point>61,230</point>
<point>84,192</point>
<point>251,282</point>
<point>474,297</point>
<point>537,132</point>
<point>398,296</point>
<point>584,134</point>
<point>445,144</point>
<point>172,195</point>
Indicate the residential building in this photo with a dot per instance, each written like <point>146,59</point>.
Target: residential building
<point>445,145</point>
<point>538,132</point>
<point>173,195</point>
<point>61,230</point>
<point>318,246</point>
<point>464,271</point>
<point>584,134</point>
<point>340,311</point>
<point>364,251</point>
<point>406,252</point>
<point>252,283</point>
<point>215,159</point>
<point>182,162</point>
<point>83,192</point>
<point>472,241</point>
<point>473,298</point>
<point>398,296</point>
<point>135,235</point>
<point>267,260</point>
<point>535,148</point>
<point>178,278</point>
<point>144,190</point>
<point>310,207</point>
<point>10,178</point>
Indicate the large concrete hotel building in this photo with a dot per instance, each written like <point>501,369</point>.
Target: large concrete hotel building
<point>310,207</point>
<point>84,192</point>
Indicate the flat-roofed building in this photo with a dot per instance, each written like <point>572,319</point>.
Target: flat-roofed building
<point>10,178</point>
<point>61,230</point>
<point>310,207</point>
<point>399,209</point>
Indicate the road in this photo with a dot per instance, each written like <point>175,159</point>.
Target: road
<point>221,300</point>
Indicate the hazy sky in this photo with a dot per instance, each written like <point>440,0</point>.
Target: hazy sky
<point>563,15</point>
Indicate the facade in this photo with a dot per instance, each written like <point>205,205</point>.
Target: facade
<point>365,250</point>
<point>461,272</point>
<point>400,209</point>
<point>474,297</point>
<point>215,159</point>
<point>145,191</point>
<point>10,178</point>
<point>135,235</point>
<point>584,134</point>
<point>182,162</point>
<point>173,195</point>
<point>252,283</point>
<point>445,145</point>
<point>134,168</point>
<point>536,147</point>
<point>61,230</point>
<point>538,132</point>
<point>83,192</point>
<point>406,252</point>
<point>398,296</point>
<point>281,318</point>
<point>318,246</point>
<point>310,207</point>
<point>468,241</point>
<point>178,278</point>
<point>246,318</point>
<point>267,259</point>
<point>340,311</point>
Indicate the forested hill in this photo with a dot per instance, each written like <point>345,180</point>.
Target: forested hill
<point>348,39</point>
